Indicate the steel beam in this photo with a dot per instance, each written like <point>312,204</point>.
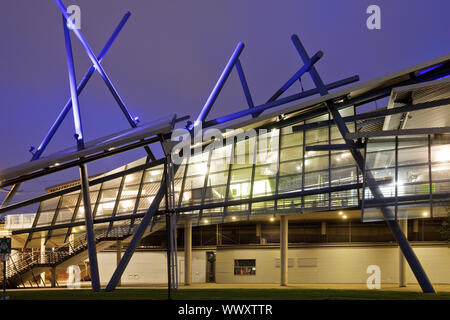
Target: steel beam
<point>219,85</point>
<point>241,74</point>
<point>92,251</point>
<point>305,68</point>
<point>77,162</point>
<point>396,133</point>
<point>277,103</point>
<point>327,147</point>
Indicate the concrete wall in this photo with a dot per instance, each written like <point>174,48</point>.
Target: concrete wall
<point>150,267</point>
<point>313,264</point>
<point>343,264</point>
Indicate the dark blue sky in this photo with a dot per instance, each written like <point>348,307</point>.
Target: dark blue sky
<point>170,54</point>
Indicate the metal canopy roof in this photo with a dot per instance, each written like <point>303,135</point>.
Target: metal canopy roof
<point>160,126</point>
<point>415,94</point>
<point>350,92</point>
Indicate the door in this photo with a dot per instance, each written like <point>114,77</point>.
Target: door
<point>210,267</point>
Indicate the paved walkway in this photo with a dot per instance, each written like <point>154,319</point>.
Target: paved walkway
<point>350,286</point>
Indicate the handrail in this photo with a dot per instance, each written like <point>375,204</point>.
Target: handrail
<point>25,261</point>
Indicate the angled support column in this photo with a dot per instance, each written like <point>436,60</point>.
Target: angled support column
<point>402,266</point>
<point>241,74</point>
<point>118,256</point>
<point>284,250</point>
<point>188,252</point>
<point>219,85</point>
<point>138,235</point>
<point>389,217</point>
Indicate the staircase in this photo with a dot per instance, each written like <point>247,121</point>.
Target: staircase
<point>26,267</point>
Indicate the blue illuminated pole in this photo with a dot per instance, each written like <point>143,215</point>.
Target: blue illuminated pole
<point>93,264</point>
<point>97,65</point>
<point>80,88</point>
<point>272,102</point>
<point>37,154</point>
<point>219,85</point>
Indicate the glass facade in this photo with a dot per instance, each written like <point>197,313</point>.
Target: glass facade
<point>271,173</point>
<point>403,169</point>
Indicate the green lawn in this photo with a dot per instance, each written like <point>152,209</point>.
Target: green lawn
<point>224,294</point>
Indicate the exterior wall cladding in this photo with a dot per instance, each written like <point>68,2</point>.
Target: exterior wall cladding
<point>311,264</point>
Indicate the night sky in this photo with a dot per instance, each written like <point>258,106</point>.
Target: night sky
<point>170,54</point>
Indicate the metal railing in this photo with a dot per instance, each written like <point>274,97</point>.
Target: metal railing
<point>21,262</point>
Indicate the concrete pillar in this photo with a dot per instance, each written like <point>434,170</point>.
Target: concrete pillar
<point>71,240</point>
<point>42,255</point>
<point>284,250</point>
<point>118,257</point>
<point>323,231</point>
<point>416,229</point>
<point>218,234</point>
<point>258,232</point>
<point>402,264</point>
<point>53,277</point>
<point>188,252</point>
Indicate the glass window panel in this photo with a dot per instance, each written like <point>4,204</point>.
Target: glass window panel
<point>317,136</point>
<point>64,215</point>
<point>413,180</point>
<point>343,176</point>
<point>288,129</point>
<point>263,207</point>
<point>316,163</point>
<point>107,201</point>
<point>318,201</point>
<point>348,198</point>
<point>316,180</point>
<point>289,204</point>
<point>291,183</point>
<point>293,139</point>
<point>50,204</point>
<point>291,167</point>
<point>263,187</point>
<point>342,159</point>
<point>218,165</point>
<point>45,218</point>
<point>319,118</point>
<point>291,153</point>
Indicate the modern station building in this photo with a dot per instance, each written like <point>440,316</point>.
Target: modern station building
<point>299,213</point>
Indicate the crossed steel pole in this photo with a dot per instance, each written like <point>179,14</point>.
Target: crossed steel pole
<point>93,264</point>
<point>37,154</point>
